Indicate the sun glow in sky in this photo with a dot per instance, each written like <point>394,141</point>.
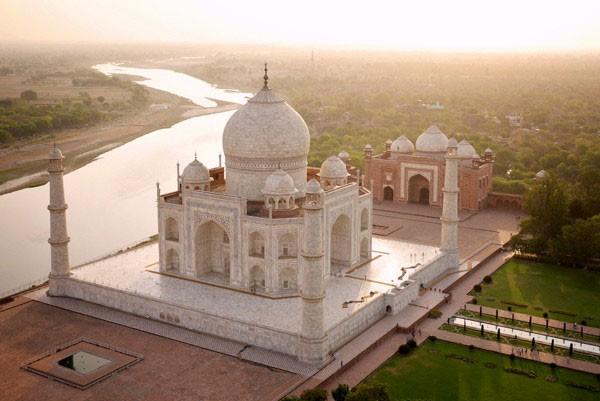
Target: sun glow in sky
<point>395,24</point>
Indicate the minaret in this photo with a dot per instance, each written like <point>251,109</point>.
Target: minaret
<point>313,339</point>
<point>450,207</point>
<point>59,239</point>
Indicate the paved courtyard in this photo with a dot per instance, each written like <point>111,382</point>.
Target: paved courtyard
<point>170,369</point>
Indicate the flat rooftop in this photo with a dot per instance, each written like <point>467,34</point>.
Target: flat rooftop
<point>136,271</point>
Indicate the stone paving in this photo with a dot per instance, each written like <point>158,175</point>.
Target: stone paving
<point>171,369</point>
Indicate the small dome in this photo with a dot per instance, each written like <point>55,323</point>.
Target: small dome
<point>345,156</point>
<point>452,143</point>
<point>403,145</point>
<point>368,147</point>
<point>279,183</point>
<point>432,140</point>
<point>195,172</point>
<point>313,187</point>
<point>476,155</point>
<point>55,154</point>
<point>488,151</point>
<point>465,149</point>
<point>541,174</point>
<point>333,168</point>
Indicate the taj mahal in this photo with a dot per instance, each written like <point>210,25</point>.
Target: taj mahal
<point>266,251</point>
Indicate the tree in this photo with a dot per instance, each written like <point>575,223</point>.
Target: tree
<point>29,95</point>
<point>547,205</point>
<point>365,392</point>
<point>579,242</point>
<point>340,392</point>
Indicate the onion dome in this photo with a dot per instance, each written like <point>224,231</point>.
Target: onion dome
<point>266,127</point>
<point>55,154</point>
<point>368,147</point>
<point>488,151</point>
<point>345,156</point>
<point>313,187</point>
<point>433,140</point>
<point>452,143</point>
<point>195,173</point>
<point>279,183</point>
<point>403,145</point>
<point>333,168</point>
<point>465,149</point>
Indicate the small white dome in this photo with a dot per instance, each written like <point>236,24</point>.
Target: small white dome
<point>465,149</point>
<point>279,183</point>
<point>368,147</point>
<point>488,151</point>
<point>333,168</point>
<point>403,145</point>
<point>345,156</point>
<point>313,187</point>
<point>55,154</point>
<point>541,174</point>
<point>476,156</point>
<point>452,143</point>
<point>432,140</point>
<point>195,172</point>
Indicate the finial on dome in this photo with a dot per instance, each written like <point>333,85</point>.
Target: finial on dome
<point>195,156</point>
<point>266,77</point>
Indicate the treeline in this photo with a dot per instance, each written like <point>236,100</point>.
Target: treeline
<point>564,220</point>
<point>349,100</point>
<point>21,119</point>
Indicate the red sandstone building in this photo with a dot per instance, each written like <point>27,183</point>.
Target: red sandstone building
<point>404,174</point>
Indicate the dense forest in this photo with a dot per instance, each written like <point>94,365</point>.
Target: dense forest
<point>349,100</point>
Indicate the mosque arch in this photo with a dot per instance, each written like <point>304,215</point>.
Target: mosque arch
<point>364,219</point>
<point>340,248</point>
<point>288,246</point>
<point>211,250</point>
<point>288,279</point>
<point>172,261</point>
<point>256,245</point>
<point>418,189</point>
<point>257,278</point>
<point>171,229</point>
<point>388,193</point>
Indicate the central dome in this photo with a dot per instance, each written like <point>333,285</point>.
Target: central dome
<point>433,140</point>
<point>262,136</point>
<point>266,127</point>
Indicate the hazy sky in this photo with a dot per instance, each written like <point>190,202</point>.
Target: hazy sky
<point>400,24</point>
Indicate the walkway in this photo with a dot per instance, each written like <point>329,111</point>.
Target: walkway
<point>556,324</point>
<point>507,349</point>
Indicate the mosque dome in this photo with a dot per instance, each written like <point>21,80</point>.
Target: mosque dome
<point>195,172</point>
<point>345,156</point>
<point>261,136</point>
<point>433,140</point>
<point>333,168</point>
<point>403,145</point>
<point>488,151</point>
<point>55,154</point>
<point>465,149</point>
<point>279,183</point>
<point>266,128</point>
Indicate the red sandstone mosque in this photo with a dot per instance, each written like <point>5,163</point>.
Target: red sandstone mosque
<point>407,175</point>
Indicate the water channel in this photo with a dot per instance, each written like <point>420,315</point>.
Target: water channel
<point>112,200</point>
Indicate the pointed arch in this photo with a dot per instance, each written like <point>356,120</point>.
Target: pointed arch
<point>171,229</point>
<point>211,251</point>
<point>341,241</point>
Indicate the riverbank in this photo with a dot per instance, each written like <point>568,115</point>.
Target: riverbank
<point>24,164</point>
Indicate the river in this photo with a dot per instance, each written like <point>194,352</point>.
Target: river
<point>112,200</point>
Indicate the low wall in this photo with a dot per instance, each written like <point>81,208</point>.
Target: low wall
<point>399,299</point>
<point>430,271</point>
<point>243,332</point>
<point>356,323</point>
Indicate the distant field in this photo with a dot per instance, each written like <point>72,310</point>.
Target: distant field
<point>566,294</point>
<point>55,89</point>
<point>443,371</point>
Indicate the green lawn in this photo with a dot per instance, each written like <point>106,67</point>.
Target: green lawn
<point>435,372</point>
<point>545,288</point>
